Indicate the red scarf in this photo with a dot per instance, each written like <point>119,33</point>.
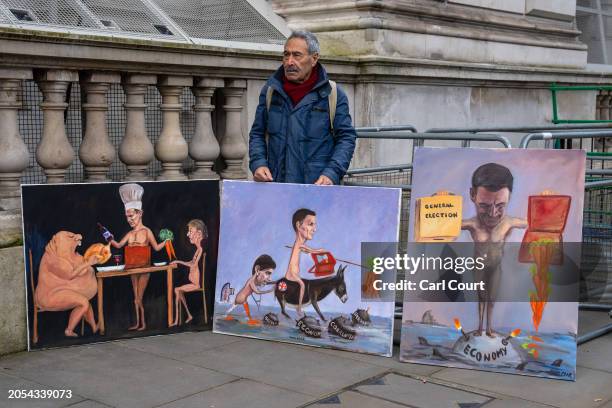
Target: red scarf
<point>297,91</point>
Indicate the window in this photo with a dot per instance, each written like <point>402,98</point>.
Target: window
<point>163,29</point>
<point>110,24</point>
<point>594,19</point>
<point>23,15</point>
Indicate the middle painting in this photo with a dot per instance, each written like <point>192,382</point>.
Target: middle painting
<point>290,265</point>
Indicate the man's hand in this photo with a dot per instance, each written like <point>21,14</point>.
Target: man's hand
<point>324,181</point>
<point>262,174</point>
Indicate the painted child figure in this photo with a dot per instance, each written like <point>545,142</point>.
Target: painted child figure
<point>263,267</point>
<point>196,232</point>
<point>304,222</point>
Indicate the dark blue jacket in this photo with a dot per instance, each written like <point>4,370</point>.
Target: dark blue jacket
<point>301,146</point>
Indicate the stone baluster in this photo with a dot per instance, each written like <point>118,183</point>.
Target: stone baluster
<point>204,147</point>
<point>96,151</point>
<point>54,152</point>
<point>233,146</point>
<point>14,155</point>
<point>171,148</point>
<point>136,150</point>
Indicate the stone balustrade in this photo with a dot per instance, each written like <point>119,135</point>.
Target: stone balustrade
<point>55,154</point>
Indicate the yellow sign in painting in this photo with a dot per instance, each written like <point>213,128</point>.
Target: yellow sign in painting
<point>438,218</point>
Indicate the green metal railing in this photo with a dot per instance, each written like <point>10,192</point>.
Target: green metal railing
<point>554,88</point>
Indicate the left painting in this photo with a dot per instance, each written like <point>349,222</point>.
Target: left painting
<point>110,261</point>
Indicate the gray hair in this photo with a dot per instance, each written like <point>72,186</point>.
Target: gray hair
<point>310,38</point>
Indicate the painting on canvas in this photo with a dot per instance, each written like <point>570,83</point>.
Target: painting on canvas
<point>117,260</point>
<point>290,264</point>
<point>521,213</point>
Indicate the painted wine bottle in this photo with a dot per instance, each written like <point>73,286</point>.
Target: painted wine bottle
<point>106,234</point>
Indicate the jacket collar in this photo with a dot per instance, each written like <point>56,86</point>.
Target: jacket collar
<point>276,82</point>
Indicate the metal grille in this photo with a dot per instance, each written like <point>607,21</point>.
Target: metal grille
<point>128,15</point>
<point>383,177</point>
<point>31,127</point>
<point>597,255</point>
<point>53,12</point>
<point>227,20</point>
<point>5,15</point>
<point>396,177</point>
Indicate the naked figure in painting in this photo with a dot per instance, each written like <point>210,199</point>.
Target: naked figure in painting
<point>139,242</point>
<point>490,192</point>
<point>66,281</point>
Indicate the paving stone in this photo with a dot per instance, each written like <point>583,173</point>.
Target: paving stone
<point>590,384</point>
<point>11,382</point>
<point>294,368</point>
<point>115,375</point>
<point>406,390</point>
<point>180,344</point>
<point>387,362</point>
<point>243,393</point>
<point>513,403</point>
<point>89,404</point>
<point>596,354</point>
<point>351,399</point>
<point>606,405</point>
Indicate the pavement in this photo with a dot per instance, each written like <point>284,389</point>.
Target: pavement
<point>206,370</point>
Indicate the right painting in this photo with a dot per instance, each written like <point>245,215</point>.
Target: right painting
<point>516,216</point>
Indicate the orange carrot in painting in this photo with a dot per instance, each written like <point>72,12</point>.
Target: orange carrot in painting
<point>170,250</point>
<point>168,236</point>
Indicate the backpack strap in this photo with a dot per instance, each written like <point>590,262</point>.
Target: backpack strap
<point>269,93</point>
<point>333,101</point>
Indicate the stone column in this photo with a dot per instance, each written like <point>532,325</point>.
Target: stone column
<point>96,151</point>
<point>54,152</point>
<point>136,150</point>
<point>204,147</point>
<point>233,147</point>
<point>171,148</point>
<point>14,156</point>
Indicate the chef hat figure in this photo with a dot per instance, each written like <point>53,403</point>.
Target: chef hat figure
<point>131,195</point>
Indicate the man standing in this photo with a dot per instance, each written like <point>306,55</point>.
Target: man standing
<point>302,131</point>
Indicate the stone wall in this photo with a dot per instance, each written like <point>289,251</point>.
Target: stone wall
<point>13,333</point>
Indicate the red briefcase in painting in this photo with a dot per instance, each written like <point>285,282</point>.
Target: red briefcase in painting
<point>323,264</point>
<point>546,215</point>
